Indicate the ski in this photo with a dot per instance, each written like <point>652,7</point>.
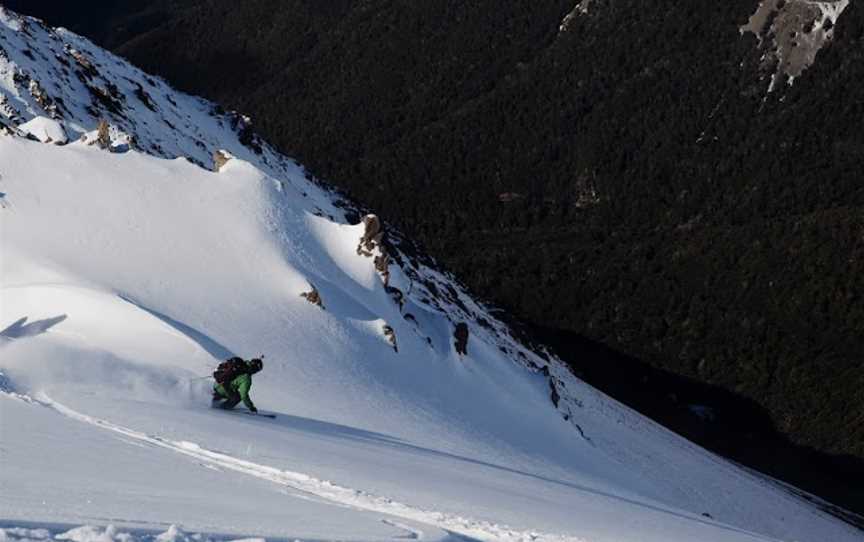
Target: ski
<point>248,413</point>
<point>259,414</point>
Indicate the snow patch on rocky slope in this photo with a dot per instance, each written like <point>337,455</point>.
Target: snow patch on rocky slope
<point>791,33</point>
<point>581,9</point>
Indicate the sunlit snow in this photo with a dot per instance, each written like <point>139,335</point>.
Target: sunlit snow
<point>129,269</point>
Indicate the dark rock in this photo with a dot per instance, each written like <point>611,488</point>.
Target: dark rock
<point>313,297</point>
<point>461,336</point>
<point>220,158</point>
<point>395,294</point>
<point>103,137</point>
<point>372,236</point>
<point>391,336</point>
<point>556,398</point>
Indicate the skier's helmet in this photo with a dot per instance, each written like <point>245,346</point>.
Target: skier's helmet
<point>256,365</point>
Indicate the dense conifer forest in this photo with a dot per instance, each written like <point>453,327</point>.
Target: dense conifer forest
<point>621,181</point>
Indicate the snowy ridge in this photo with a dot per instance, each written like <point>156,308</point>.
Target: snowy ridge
<point>58,74</point>
<point>163,236</point>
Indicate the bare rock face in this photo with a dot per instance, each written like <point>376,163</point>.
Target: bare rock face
<point>461,336</point>
<point>220,158</point>
<point>396,295</point>
<point>313,297</point>
<point>391,336</point>
<point>372,246</point>
<point>8,111</point>
<point>103,138</point>
<point>372,236</point>
<point>793,32</point>
<point>43,99</point>
<point>382,265</point>
<point>554,395</point>
<point>242,125</point>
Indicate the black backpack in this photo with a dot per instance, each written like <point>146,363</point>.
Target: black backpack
<point>229,369</point>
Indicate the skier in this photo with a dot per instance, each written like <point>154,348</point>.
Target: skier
<point>233,380</point>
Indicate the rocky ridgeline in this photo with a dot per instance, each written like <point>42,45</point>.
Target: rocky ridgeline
<point>63,77</point>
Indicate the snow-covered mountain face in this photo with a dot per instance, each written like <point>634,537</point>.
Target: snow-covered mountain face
<point>147,234</point>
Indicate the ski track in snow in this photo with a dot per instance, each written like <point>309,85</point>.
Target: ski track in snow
<point>90,533</point>
<point>480,530</point>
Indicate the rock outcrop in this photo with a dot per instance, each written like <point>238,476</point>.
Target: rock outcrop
<point>372,245</point>
<point>391,336</point>
<point>220,158</point>
<point>372,237</point>
<point>793,32</point>
<point>103,138</point>
<point>461,336</point>
<point>313,297</point>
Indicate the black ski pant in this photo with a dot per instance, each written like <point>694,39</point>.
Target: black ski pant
<point>229,402</point>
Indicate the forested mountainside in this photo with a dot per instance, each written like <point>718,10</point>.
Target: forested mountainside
<point>669,194</point>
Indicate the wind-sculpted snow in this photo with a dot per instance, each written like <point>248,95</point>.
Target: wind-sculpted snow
<point>130,268</point>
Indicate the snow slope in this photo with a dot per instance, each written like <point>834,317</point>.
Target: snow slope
<point>128,271</point>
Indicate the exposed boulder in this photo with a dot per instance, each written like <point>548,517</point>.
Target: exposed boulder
<point>382,265</point>
<point>554,395</point>
<point>220,158</point>
<point>372,245</point>
<point>87,70</point>
<point>461,336</point>
<point>103,137</point>
<point>391,336</point>
<point>372,237</point>
<point>313,297</point>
